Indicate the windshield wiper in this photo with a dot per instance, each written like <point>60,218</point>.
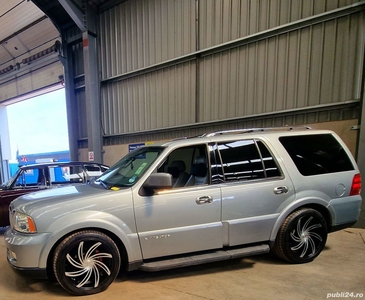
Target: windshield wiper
<point>103,184</point>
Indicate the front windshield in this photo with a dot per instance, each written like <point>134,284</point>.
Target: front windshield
<point>7,184</point>
<point>130,168</point>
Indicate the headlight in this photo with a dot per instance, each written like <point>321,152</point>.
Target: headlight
<point>23,223</point>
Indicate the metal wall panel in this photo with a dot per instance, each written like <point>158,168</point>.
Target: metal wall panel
<point>77,60</point>
<point>312,66</point>
<point>221,21</point>
<point>139,33</point>
<point>81,116</point>
<point>160,99</point>
<point>306,65</point>
<point>348,112</point>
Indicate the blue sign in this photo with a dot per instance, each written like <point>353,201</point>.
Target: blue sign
<point>131,147</point>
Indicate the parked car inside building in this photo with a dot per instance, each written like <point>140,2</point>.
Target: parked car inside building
<point>195,200</point>
<point>37,177</point>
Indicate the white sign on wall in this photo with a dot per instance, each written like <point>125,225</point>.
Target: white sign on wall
<point>91,155</point>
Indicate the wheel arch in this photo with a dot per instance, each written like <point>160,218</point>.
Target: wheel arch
<point>123,233</point>
<point>319,205</point>
<point>121,247</point>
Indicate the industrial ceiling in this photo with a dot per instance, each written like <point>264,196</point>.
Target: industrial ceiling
<point>24,29</point>
<point>31,30</point>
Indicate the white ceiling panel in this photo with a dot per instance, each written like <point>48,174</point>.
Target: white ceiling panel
<point>24,31</point>
<point>15,15</point>
<point>14,47</point>
<point>39,34</point>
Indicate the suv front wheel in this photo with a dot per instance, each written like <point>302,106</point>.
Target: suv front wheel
<point>86,262</point>
<point>301,237</point>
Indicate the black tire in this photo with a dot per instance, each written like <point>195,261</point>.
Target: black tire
<point>86,262</point>
<point>301,237</point>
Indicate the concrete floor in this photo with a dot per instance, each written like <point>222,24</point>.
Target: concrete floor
<point>340,268</point>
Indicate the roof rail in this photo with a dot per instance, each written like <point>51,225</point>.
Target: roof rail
<point>249,130</point>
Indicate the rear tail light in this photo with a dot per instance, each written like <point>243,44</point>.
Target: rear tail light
<point>356,185</point>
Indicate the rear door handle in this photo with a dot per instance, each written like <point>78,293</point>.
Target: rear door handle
<point>204,200</point>
<point>281,190</point>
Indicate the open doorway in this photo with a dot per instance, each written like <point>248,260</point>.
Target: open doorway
<point>36,126</point>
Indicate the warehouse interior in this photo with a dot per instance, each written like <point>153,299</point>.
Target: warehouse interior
<point>142,71</point>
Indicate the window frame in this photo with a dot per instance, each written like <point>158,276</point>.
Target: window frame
<point>220,163</point>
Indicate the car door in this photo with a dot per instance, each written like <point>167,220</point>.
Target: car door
<point>254,191</point>
<point>182,219</point>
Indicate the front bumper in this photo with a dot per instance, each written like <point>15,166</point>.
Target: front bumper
<point>24,252</point>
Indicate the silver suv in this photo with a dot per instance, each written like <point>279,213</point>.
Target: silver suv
<point>195,200</point>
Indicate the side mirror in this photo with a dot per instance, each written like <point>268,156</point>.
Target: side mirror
<point>158,181</point>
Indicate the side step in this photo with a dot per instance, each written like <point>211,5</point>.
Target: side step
<point>203,258</point>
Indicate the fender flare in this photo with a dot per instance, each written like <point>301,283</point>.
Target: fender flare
<point>305,201</point>
<point>105,223</point>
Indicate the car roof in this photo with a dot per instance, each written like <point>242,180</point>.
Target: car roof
<point>238,134</point>
<point>61,163</point>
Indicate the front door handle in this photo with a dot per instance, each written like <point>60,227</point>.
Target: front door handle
<point>204,200</point>
<point>281,190</point>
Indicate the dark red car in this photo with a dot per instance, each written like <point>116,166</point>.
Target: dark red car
<point>37,177</point>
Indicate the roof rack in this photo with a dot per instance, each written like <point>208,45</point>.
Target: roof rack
<point>250,130</point>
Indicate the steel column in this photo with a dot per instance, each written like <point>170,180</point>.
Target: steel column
<point>360,157</point>
<point>92,88</point>
<point>71,101</point>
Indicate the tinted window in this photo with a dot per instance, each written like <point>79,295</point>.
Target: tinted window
<point>242,160</point>
<point>270,166</point>
<point>317,154</point>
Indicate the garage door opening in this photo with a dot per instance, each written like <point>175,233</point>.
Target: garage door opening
<point>37,126</point>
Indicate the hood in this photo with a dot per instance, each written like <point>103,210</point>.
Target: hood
<point>58,195</point>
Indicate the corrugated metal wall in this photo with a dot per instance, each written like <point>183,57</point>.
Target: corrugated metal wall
<point>315,65</point>
<point>159,99</point>
<point>159,72</point>
<point>221,21</point>
<point>140,33</point>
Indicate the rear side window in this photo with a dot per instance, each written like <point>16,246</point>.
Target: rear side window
<point>317,154</point>
<point>247,160</point>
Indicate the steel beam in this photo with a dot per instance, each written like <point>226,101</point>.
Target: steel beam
<point>75,11</point>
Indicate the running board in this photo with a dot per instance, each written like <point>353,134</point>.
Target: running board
<point>206,257</point>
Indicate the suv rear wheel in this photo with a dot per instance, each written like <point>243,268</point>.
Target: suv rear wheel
<point>301,237</point>
<point>86,262</point>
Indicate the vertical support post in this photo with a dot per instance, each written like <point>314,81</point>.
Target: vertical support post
<point>92,87</point>
<point>361,154</point>
<point>5,149</point>
<point>71,101</point>
<point>197,62</point>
